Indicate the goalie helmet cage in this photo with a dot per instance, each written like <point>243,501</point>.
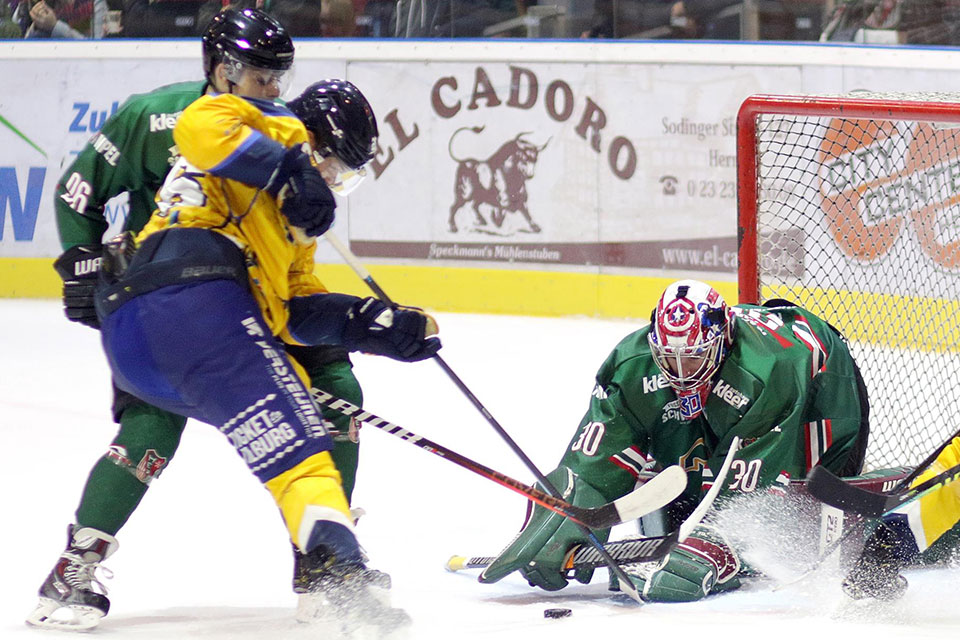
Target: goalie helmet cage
<point>850,207</point>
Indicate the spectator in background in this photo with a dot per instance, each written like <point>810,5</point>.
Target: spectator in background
<point>301,18</point>
<point>9,28</point>
<point>911,21</point>
<point>451,18</point>
<point>61,19</point>
<point>664,19</point>
<point>338,19</point>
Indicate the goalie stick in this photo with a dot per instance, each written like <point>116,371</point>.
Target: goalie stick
<point>628,551</point>
<point>364,275</point>
<point>656,493</point>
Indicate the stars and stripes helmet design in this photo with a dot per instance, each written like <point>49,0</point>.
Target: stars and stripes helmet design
<point>692,330</point>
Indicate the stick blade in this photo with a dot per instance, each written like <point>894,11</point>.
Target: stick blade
<point>658,492</point>
<point>829,489</point>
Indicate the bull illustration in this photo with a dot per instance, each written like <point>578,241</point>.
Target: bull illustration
<point>499,181</point>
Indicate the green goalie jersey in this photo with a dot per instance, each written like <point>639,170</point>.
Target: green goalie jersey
<point>788,388</point>
<point>131,153</point>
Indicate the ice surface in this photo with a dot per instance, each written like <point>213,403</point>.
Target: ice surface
<point>206,555</point>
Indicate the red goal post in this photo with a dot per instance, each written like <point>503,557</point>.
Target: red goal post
<point>850,206</point>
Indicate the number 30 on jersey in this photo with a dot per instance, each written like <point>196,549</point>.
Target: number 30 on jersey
<point>589,440</point>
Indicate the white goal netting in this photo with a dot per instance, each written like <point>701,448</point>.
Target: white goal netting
<point>855,203</point>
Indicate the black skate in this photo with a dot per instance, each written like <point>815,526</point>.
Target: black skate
<point>877,571</point>
<point>72,597</point>
<point>343,597</point>
<point>348,599</point>
<point>306,566</point>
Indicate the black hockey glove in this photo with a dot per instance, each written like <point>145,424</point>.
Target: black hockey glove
<point>401,333</point>
<point>303,194</point>
<point>79,267</point>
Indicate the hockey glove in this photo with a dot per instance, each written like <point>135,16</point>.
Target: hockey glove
<point>542,545</point>
<point>702,564</point>
<point>401,333</point>
<point>79,267</point>
<point>302,193</point>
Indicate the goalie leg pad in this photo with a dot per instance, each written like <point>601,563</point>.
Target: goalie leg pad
<point>702,564</point>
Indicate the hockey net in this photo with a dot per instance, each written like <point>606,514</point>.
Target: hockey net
<point>850,207</point>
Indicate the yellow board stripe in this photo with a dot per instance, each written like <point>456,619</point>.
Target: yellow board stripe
<point>925,324</point>
<point>460,290</point>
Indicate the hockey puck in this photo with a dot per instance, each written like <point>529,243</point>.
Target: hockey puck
<point>557,613</point>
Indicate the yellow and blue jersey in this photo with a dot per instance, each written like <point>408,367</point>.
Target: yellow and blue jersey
<point>937,512</point>
<point>229,152</point>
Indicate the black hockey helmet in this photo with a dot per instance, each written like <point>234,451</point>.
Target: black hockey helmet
<point>250,37</point>
<point>340,118</point>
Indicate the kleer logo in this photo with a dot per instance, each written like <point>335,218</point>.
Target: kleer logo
<point>877,177</point>
<point>730,395</point>
<point>654,383</point>
<point>498,182</point>
<point>163,121</point>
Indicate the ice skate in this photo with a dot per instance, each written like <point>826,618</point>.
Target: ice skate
<point>72,598</point>
<point>339,592</point>
<point>877,571</point>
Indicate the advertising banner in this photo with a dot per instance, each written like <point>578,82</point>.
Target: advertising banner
<point>556,165</point>
<point>592,161</point>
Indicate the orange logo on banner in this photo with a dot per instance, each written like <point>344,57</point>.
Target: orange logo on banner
<point>871,188</point>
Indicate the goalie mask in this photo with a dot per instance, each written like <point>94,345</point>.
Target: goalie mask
<point>691,332</point>
<point>345,128</point>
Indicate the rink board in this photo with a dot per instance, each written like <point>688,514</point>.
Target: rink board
<point>629,181</point>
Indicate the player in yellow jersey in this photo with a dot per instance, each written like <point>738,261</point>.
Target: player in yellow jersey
<point>247,53</point>
<point>902,535</point>
<point>223,273</point>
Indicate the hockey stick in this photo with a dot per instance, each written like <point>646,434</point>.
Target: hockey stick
<point>656,493</point>
<point>364,275</point>
<point>830,489</point>
<point>629,551</point>
<point>835,492</point>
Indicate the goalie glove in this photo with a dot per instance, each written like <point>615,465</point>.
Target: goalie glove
<point>401,333</point>
<point>702,564</point>
<point>540,549</point>
<point>79,267</point>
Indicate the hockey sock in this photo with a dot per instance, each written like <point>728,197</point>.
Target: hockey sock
<point>147,439</point>
<point>311,485</point>
<point>336,378</point>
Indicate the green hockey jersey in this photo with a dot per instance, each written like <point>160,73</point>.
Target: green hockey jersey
<point>133,153</point>
<point>787,388</point>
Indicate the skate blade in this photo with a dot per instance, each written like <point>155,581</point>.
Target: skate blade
<point>51,614</point>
